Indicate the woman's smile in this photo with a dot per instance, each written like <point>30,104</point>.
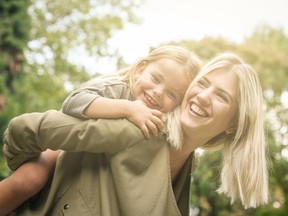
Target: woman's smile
<point>198,111</point>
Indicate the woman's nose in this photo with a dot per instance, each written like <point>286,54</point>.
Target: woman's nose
<point>204,97</point>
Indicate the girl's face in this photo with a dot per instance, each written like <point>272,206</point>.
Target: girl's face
<point>161,84</point>
<point>211,105</point>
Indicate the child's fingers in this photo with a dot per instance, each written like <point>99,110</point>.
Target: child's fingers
<point>157,121</point>
<point>157,113</point>
<point>145,131</point>
<point>153,128</point>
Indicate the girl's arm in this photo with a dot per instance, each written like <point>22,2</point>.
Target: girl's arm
<point>111,99</point>
<point>135,111</point>
<point>79,100</point>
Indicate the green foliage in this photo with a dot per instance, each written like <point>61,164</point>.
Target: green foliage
<point>269,56</point>
<point>14,35</point>
<point>57,29</point>
<point>14,25</point>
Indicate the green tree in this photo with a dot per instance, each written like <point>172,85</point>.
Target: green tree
<point>57,29</point>
<point>271,59</point>
<point>14,35</point>
<point>269,56</point>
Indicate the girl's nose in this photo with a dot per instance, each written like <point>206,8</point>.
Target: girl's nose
<point>158,90</point>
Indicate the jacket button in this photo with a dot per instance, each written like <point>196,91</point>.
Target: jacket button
<point>66,206</point>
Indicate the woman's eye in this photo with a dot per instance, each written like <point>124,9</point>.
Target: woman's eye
<point>223,97</point>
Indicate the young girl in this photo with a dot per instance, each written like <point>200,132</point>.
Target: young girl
<point>140,93</point>
<point>154,83</point>
<point>113,170</point>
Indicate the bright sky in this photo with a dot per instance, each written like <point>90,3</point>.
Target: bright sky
<point>166,20</point>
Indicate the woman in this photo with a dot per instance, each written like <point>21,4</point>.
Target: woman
<point>126,174</point>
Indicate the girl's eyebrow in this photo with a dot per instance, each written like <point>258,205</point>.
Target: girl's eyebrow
<point>219,89</point>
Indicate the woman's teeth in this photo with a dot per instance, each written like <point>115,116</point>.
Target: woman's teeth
<point>198,111</point>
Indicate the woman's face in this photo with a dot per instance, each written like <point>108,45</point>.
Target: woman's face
<point>210,106</point>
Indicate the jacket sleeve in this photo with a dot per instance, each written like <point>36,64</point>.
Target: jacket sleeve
<point>80,99</point>
<point>29,134</point>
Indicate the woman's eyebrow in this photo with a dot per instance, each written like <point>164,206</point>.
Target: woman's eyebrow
<point>219,88</point>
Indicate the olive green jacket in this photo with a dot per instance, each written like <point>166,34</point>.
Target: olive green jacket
<point>109,167</point>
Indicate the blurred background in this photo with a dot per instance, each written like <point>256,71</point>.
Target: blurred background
<point>48,48</point>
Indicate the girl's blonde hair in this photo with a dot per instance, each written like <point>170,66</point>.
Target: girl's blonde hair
<point>181,55</point>
<point>244,173</point>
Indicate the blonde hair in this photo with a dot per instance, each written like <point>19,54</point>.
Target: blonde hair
<point>181,55</point>
<point>244,173</point>
<point>189,59</point>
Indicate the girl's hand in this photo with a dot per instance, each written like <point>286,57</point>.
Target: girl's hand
<point>145,118</point>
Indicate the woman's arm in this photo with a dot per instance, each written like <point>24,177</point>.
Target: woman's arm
<point>29,134</point>
<point>26,181</point>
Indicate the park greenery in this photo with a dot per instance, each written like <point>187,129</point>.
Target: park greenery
<point>36,40</point>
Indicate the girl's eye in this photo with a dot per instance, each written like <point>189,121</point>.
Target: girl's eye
<point>202,83</point>
<point>171,95</point>
<point>155,79</point>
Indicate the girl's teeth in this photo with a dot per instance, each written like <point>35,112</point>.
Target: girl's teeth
<point>152,101</point>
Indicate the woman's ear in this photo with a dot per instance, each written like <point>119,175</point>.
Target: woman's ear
<point>230,130</point>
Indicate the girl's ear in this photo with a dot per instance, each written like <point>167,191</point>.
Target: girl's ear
<point>139,69</point>
<point>142,65</point>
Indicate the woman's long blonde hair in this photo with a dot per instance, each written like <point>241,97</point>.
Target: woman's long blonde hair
<point>244,173</point>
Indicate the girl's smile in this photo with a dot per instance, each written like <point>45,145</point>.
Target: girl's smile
<point>161,84</point>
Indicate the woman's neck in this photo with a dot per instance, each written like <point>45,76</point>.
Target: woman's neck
<point>190,145</point>
<point>177,160</point>
<point>179,157</point>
